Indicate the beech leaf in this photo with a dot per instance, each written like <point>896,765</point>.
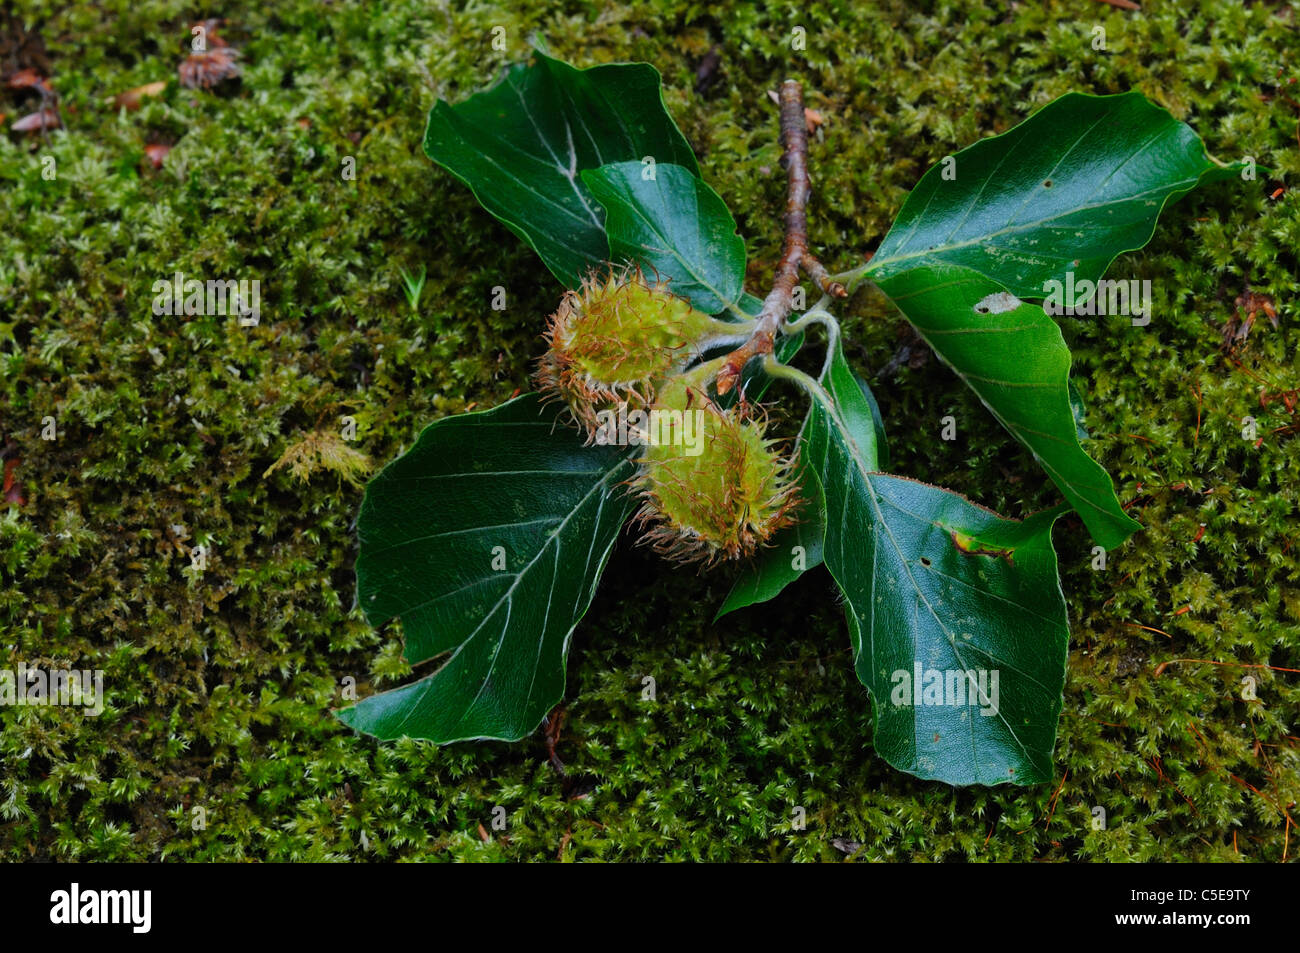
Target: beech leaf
<point>665,219</point>
<point>1030,214</point>
<point>522,145</point>
<point>955,614</point>
<point>487,538</point>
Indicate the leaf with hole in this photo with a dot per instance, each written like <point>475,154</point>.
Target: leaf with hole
<point>955,614</point>
<point>1053,200</point>
<point>1073,186</point>
<point>1014,358</point>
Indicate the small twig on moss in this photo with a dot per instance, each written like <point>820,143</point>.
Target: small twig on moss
<point>551,725</point>
<point>795,255</point>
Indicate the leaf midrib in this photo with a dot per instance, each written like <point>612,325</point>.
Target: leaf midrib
<point>865,474</point>
<point>878,263</point>
<point>698,278</point>
<point>508,597</point>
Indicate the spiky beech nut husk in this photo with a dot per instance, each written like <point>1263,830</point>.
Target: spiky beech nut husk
<point>713,487</point>
<point>615,338</point>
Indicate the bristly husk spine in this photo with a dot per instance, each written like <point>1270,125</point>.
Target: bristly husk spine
<point>623,339</point>
<point>724,503</point>
<point>616,338</point>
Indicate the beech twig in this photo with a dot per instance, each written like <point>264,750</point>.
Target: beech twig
<point>795,254</point>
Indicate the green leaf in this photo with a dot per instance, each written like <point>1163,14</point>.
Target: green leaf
<point>882,445</point>
<point>1055,199</point>
<point>781,563</point>
<point>1012,355</point>
<point>1068,189</point>
<point>1079,411</point>
<point>676,226</point>
<point>521,147</point>
<point>856,409</point>
<point>937,586</point>
<point>487,538</point>
<point>794,550</point>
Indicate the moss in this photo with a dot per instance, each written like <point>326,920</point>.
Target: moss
<point>219,681</point>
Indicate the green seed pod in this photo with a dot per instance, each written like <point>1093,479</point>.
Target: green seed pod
<point>713,487</point>
<point>616,338</point>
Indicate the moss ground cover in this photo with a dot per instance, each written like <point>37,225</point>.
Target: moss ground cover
<point>219,680</point>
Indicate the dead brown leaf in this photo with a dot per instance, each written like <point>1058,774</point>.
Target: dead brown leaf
<point>26,79</point>
<point>132,97</point>
<point>205,70</point>
<point>35,122</point>
<point>1238,327</point>
<point>156,152</point>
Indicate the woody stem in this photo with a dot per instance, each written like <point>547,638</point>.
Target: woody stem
<point>795,254</point>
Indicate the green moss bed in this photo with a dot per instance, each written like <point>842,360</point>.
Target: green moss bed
<point>220,682</point>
